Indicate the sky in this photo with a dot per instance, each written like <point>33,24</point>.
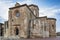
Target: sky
<point>49,8</point>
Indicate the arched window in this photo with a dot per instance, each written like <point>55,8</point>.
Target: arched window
<point>53,26</point>
<point>35,12</point>
<point>17,31</point>
<point>17,13</point>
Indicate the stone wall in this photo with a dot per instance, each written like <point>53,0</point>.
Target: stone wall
<point>52,27</point>
<point>39,27</point>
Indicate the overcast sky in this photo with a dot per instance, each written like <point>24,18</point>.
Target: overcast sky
<point>49,8</point>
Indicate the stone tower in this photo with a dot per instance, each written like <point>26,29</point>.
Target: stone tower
<point>34,9</point>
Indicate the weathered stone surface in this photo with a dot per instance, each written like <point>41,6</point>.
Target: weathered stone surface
<point>24,22</point>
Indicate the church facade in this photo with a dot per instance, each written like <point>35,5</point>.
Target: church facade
<point>24,22</point>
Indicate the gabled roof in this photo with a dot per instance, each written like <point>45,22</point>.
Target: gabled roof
<point>34,6</point>
<point>22,6</point>
<point>18,6</point>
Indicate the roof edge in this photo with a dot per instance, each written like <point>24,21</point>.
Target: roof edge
<point>51,19</point>
<point>33,5</point>
<point>18,6</point>
<point>42,17</point>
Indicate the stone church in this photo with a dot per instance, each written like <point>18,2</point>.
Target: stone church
<point>24,22</point>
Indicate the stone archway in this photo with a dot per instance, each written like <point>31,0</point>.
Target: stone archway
<point>16,29</point>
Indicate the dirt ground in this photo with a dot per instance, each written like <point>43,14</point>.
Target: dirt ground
<point>51,38</point>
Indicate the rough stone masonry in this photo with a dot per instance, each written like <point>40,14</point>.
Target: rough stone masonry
<point>24,22</point>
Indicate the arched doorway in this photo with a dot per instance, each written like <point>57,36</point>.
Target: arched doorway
<point>16,31</point>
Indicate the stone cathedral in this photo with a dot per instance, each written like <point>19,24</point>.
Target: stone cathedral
<point>24,22</point>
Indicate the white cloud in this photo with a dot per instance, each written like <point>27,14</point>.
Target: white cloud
<point>26,2</point>
<point>50,12</point>
<point>2,20</point>
<point>58,29</point>
<point>4,7</point>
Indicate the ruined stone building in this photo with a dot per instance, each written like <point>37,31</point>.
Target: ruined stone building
<point>24,22</point>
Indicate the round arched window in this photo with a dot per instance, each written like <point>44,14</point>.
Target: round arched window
<point>17,14</point>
